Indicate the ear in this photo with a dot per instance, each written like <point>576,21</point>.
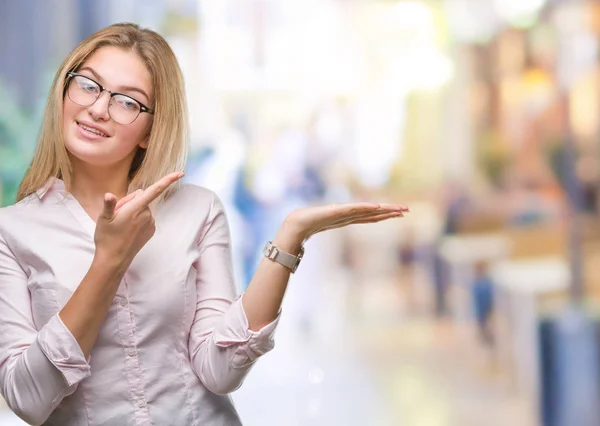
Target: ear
<point>144,142</point>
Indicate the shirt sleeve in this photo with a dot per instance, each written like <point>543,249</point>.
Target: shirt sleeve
<point>222,348</point>
<point>37,368</point>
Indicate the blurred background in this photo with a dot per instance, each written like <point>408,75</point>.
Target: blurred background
<point>478,307</point>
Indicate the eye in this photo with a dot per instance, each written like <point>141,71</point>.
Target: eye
<point>87,85</point>
<point>127,103</point>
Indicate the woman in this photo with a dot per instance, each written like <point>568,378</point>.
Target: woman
<point>117,301</point>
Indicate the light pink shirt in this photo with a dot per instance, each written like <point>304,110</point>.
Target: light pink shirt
<point>175,340</point>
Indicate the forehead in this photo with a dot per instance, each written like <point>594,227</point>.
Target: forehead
<point>119,68</point>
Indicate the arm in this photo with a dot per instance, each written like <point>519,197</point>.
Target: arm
<point>37,369</point>
<point>84,313</point>
<point>227,337</point>
<point>222,346</point>
<point>262,300</point>
<point>264,295</point>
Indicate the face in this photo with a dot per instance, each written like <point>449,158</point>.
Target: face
<point>92,137</point>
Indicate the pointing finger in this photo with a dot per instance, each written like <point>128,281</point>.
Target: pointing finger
<point>127,199</point>
<point>155,190</point>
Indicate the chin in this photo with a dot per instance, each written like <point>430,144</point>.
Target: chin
<point>91,159</point>
<point>91,154</point>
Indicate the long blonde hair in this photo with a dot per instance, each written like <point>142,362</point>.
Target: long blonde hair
<point>168,137</point>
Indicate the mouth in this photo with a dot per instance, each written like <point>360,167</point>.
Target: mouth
<point>91,130</point>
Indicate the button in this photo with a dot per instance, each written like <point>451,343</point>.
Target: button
<point>141,404</point>
<point>131,352</point>
<point>123,302</point>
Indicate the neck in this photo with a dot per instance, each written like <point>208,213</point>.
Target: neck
<point>89,184</point>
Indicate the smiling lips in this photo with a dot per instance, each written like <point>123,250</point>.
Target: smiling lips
<point>91,130</point>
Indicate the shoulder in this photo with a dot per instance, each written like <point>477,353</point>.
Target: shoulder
<point>191,194</point>
<point>198,200</point>
<point>191,210</point>
<point>5,213</point>
<point>195,191</point>
<point>10,214</point>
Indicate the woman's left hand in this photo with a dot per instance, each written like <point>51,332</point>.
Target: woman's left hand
<point>312,220</point>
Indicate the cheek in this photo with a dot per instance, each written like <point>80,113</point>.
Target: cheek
<point>130,136</point>
<point>70,110</point>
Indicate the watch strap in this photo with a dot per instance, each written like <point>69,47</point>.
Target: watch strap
<point>286,259</point>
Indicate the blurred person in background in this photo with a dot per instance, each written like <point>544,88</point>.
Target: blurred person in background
<point>482,293</point>
<point>455,204</point>
<point>407,262</point>
<point>117,297</point>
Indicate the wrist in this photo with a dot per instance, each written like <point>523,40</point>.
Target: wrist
<point>114,266</point>
<point>289,237</point>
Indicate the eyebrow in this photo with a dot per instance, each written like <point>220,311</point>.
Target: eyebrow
<point>120,88</point>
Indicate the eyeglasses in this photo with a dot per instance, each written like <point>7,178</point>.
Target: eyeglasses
<point>122,108</point>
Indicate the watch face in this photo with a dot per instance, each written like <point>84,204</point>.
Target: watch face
<point>270,251</point>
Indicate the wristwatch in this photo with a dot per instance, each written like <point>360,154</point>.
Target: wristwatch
<point>288,260</point>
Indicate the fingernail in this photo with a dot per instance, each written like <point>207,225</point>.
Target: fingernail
<point>181,174</point>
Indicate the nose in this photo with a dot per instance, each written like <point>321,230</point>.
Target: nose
<point>99,109</point>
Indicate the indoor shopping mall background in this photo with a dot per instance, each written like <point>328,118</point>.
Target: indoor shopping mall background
<point>482,115</point>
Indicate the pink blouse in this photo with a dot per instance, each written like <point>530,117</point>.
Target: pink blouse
<point>175,341</point>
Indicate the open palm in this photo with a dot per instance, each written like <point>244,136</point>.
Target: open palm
<point>312,220</point>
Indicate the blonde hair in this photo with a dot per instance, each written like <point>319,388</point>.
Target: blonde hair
<point>168,135</point>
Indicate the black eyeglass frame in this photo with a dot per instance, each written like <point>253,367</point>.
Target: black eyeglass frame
<point>143,108</point>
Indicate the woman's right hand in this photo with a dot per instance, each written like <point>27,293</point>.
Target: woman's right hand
<point>124,227</point>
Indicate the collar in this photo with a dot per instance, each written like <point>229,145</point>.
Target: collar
<point>52,184</point>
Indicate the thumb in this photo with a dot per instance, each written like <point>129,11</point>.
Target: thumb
<point>110,201</point>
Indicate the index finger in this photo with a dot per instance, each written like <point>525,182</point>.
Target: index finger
<point>156,189</point>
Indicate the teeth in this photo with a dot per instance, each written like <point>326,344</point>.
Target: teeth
<point>92,130</point>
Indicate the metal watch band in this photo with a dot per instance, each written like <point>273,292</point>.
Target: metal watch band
<point>288,260</point>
